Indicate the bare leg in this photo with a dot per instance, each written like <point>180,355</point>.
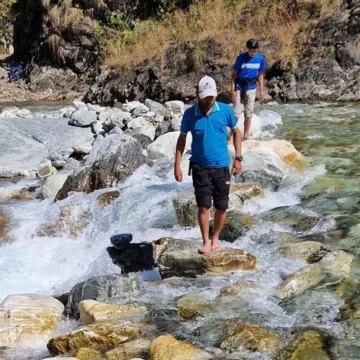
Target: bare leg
<point>219,220</point>
<point>247,124</point>
<point>203,219</point>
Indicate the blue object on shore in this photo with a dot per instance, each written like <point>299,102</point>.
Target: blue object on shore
<point>121,241</point>
<point>16,72</point>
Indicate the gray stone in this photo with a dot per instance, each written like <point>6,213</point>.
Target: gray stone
<point>107,289</point>
<point>111,160</point>
<point>140,110</point>
<point>119,118</point>
<point>83,118</point>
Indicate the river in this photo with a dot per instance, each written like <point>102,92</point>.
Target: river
<point>327,134</point>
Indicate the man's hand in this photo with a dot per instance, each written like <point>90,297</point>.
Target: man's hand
<point>233,96</point>
<point>236,167</point>
<point>262,96</point>
<point>178,174</point>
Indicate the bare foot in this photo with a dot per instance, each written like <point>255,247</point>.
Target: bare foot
<point>245,138</point>
<point>205,249</point>
<point>215,247</point>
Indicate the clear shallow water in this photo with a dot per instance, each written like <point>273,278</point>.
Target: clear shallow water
<point>53,264</point>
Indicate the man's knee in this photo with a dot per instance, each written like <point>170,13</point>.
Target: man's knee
<point>221,204</point>
<point>203,201</point>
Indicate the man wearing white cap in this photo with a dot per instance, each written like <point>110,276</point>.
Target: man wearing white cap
<point>208,121</point>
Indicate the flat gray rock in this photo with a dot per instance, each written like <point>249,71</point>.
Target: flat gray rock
<point>25,143</point>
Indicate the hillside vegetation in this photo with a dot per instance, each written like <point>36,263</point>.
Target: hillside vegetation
<point>284,23</point>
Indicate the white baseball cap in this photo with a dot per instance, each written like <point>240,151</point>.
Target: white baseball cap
<point>207,87</point>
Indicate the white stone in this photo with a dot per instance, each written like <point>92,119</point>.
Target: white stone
<point>130,106</point>
<point>142,126</point>
<point>116,130</point>
<point>270,120</point>
<point>97,108</point>
<point>176,123</point>
<point>79,105</point>
<point>26,318</point>
<point>154,105</point>
<point>254,127</point>
<point>83,146</point>
<point>67,111</point>
<point>150,114</point>
<point>53,184</point>
<point>164,145</point>
<point>140,110</point>
<point>83,118</point>
<point>119,118</point>
<point>24,113</point>
<point>9,112</point>
<point>97,127</point>
<point>104,116</point>
<point>176,106</point>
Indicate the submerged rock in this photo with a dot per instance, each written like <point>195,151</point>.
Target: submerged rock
<point>166,347</point>
<point>107,198</point>
<point>130,350</point>
<point>192,306</point>
<point>27,318</point>
<point>4,223</point>
<point>252,339</point>
<point>309,345</point>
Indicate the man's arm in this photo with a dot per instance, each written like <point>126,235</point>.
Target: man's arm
<point>237,144</point>
<point>180,147</point>
<point>261,85</point>
<point>232,88</point>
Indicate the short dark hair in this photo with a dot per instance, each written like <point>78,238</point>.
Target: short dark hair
<point>252,44</point>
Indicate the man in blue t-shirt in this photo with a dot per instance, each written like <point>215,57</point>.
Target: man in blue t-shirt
<point>248,69</point>
<point>208,121</point>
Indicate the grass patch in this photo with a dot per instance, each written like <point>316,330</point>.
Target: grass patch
<point>229,22</point>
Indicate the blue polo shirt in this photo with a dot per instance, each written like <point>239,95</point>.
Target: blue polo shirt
<point>249,68</point>
<point>209,134</point>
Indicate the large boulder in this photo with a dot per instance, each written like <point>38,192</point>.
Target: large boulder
<point>113,159</point>
<point>186,208</point>
<point>26,144</point>
<point>103,289</point>
<point>181,258</point>
<point>334,267</point>
<point>27,318</point>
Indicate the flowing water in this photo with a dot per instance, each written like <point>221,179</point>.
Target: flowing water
<point>46,264</point>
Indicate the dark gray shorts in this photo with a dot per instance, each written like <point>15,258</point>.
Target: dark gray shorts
<point>211,184</point>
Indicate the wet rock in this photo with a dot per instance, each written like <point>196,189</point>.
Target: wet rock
<point>239,286</point>
<point>180,258</point>
<point>294,217</point>
<point>103,289</point>
<point>236,225</point>
<point>45,170</point>
<point>332,268</point>
<point>308,344</point>
<point>107,198</point>
<point>301,251</point>
<point>347,347</point>
<point>27,318</point>
<point>53,184</point>
<point>166,347</point>
<point>192,306</point>
<point>72,220</point>
<point>110,161</point>
<point>93,311</point>
<point>215,331</point>
<point>252,339</point>
<point>186,208</point>
<point>101,337</point>
<point>4,223</point>
<point>130,350</point>
<point>121,241</point>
